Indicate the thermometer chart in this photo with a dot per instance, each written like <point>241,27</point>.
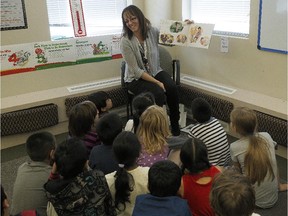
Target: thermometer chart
<point>78,18</point>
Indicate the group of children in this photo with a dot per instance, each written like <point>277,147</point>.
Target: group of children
<point>102,170</point>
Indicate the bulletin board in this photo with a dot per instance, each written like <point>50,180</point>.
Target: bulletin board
<point>272,26</point>
<point>13,15</point>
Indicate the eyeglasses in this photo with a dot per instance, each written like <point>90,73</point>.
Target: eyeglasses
<point>131,19</point>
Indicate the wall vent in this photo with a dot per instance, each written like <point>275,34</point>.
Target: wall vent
<point>198,82</point>
<point>95,85</point>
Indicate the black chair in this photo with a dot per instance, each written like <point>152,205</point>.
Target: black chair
<point>171,66</point>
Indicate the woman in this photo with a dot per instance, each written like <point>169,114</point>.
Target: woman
<point>139,47</point>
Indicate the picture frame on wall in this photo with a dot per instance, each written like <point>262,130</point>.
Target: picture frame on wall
<point>13,15</point>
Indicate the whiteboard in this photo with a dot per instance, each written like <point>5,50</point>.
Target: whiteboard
<point>272,26</point>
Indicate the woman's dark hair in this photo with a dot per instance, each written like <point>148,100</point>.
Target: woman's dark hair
<point>140,103</point>
<point>126,148</point>
<point>164,178</point>
<point>194,156</point>
<point>144,23</point>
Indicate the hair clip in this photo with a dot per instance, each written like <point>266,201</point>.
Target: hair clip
<point>121,165</point>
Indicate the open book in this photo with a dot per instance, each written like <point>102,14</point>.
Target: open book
<point>183,34</point>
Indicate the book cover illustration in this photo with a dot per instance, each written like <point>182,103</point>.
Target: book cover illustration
<point>183,34</point>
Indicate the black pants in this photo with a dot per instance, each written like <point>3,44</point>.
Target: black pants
<point>170,97</point>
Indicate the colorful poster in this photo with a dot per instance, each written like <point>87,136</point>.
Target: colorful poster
<point>52,54</point>
<point>93,49</point>
<point>183,34</point>
<point>115,44</point>
<point>16,59</point>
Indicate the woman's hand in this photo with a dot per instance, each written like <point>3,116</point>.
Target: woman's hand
<point>161,85</point>
<point>188,21</point>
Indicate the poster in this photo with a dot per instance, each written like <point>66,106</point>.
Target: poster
<point>183,34</point>
<point>13,15</point>
<point>93,49</point>
<point>16,59</point>
<point>115,44</point>
<point>54,54</point>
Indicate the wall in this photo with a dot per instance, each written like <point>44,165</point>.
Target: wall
<point>259,73</point>
<point>244,66</point>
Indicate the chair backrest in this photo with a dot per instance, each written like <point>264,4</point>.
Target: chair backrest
<point>122,73</point>
<point>166,62</point>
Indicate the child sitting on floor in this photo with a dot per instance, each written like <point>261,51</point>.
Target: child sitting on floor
<point>232,194</point>
<point>72,189</point>
<point>254,155</point>
<point>197,177</point>
<point>82,121</point>
<point>130,179</point>
<point>164,179</point>
<point>102,101</point>
<point>102,157</point>
<point>211,132</point>
<point>140,103</point>
<point>28,191</point>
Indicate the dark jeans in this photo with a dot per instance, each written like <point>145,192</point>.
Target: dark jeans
<point>171,96</point>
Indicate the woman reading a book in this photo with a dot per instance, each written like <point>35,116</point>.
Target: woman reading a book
<point>139,47</point>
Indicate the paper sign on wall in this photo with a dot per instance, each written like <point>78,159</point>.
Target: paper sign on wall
<point>78,18</point>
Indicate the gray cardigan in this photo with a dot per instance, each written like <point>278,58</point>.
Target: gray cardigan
<point>131,54</point>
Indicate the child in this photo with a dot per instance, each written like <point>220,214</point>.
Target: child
<point>101,157</point>
<point>232,194</point>
<point>140,104</point>
<point>71,189</point>
<point>102,101</point>
<point>28,191</point>
<point>164,179</point>
<point>130,179</point>
<point>153,132</point>
<point>211,132</point>
<point>254,155</point>
<point>197,177</point>
<point>82,121</point>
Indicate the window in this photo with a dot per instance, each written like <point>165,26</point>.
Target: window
<point>101,17</point>
<point>231,17</point>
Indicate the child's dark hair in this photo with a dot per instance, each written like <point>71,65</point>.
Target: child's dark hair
<point>81,118</point>
<point>126,148</point>
<point>194,156</point>
<point>232,194</point>
<point>108,127</point>
<point>3,197</point>
<point>99,99</point>
<point>164,178</point>
<point>201,110</point>
<point>140,103</point>
<point>39,145</point>
<point>70,157</point>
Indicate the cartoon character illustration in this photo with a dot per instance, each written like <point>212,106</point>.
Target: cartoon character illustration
<point>204,41</point>
<point>19,58</point>
<point>195,32</point>
<point>181,38</point>
<point>176,27</point>
<point>100,48</point>
<point>166,38</point>
<point>41,56</point>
